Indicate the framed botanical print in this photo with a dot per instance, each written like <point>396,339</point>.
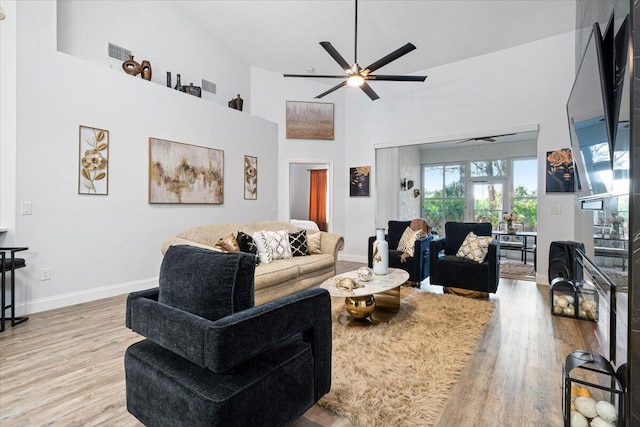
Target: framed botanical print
<point>250,178</point>
<point>93,170</point>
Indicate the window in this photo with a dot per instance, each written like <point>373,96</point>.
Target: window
<point>481,191</point>
<point>444,194</point>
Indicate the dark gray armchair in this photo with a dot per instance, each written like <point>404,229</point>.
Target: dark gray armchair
<point>212,358</point>
<point>447,269</point>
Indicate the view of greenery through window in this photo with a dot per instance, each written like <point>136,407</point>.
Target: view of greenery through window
<point>445,193</point>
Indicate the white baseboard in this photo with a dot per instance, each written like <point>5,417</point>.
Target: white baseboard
<point>352,257</point>
<point>64,300</point>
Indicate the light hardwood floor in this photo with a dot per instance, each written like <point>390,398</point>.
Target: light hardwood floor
<point>65,367</point>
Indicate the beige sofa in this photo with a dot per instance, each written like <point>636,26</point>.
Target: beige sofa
<point>280,277</point>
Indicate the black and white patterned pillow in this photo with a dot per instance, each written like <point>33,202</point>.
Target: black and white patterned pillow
<point>298,242</point>
<point>248,245</point>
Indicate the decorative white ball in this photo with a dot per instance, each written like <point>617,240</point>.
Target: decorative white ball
<point>569,310</point>
<point>569,299</point>
<point>365,274</point>
<point>599,422</point>
<point>557,309</point>
<point>578,420</point>
<point>562,302</point>
<point>607,411</point>
<point>586,406</point>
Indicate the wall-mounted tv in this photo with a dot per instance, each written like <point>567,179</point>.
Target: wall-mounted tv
<point>588,112</point>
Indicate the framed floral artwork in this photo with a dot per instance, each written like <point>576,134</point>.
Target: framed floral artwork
<point>184,173</point>
<point>250,178</point>
<point>560,174</point>
<point>309,120</point>
<point>93,165</point>
<point>359,181</point>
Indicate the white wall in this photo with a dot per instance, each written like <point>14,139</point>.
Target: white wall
<point>522,86</point>
<point>159,32</point>
<point>269,94</point>
<point>98,246</point>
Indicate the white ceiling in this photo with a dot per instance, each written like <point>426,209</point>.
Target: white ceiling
<point>284,35</point>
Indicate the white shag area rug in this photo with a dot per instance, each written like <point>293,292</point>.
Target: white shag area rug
<point>401,373</point>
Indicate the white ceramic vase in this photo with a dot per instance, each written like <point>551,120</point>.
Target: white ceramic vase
<point>380,253</point>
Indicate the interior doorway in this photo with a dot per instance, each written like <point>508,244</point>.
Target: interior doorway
<point>302,189</point>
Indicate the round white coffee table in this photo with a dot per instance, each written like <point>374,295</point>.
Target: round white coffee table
<point>375,302</point>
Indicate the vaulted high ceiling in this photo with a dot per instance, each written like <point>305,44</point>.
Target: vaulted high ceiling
<point>284,35</point>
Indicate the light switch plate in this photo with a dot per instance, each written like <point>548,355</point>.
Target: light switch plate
<point>556,210</point>
<point>25,208</point>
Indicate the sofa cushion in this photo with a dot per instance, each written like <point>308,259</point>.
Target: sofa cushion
<point>314,263</point>
<point>394,233</point>
<point>408,240</point>
<point>206,283</point>
<point>247,245</point>
<point>276,272</point>
<point>298,242</point>
<point>456,232</point>
<point>273,245</point>
<point>474,247</point>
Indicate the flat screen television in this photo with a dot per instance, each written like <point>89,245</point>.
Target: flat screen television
<point>588,112</point>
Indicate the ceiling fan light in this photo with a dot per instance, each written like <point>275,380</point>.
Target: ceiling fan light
<point>355,80</point>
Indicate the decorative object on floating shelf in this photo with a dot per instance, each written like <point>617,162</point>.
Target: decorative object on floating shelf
<point>145,70</point>
<point>236,103</point>
<point>168,79</point>
<point>510,219</point>
<point>179,86</point>
<point>94,161</point>
<point>131,66</point>
<point>193,90</point>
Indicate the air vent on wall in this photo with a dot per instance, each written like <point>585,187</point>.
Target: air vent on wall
<point>118,52</point>
<point>208,86</point>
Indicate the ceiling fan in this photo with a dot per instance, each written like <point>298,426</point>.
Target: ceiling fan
<point>357,76</point>
<point>484,138</point>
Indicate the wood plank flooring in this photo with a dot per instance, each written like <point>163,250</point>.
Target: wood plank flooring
<point>65,367</point>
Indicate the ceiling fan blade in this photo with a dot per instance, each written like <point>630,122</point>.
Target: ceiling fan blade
<point>335,55</point>
<point>370,92</point>
<point>389,58</point>
<point>314,76</point>
<point>336,87</point>
<point>396,78</point>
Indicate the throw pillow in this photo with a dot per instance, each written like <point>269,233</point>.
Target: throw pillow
<point>264,255</point>
<point>298,242</point>
<point>407,242</point>
<point>228,244</point>
<point>247,244</point>
<point>313,243</point>
<point>474,247</point>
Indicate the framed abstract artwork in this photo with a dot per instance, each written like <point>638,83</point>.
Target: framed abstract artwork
<point>184,173</point>
<point>250,178</point>
<point>560,173</point>
<point>93,170</point>
<point>359,181</point>
<point>309,120</point>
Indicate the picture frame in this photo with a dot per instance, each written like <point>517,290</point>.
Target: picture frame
<point>182,173</point>
<point>310,120</point>
<point>93,161</point>
<point>560,176</point>
<point>359,181</point>
<point>250,177</point>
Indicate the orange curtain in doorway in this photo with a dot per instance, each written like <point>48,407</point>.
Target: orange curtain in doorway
<point>318,198</point>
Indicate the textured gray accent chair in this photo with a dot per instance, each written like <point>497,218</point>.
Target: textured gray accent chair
<point>447,269</point>
<point>210,358</point>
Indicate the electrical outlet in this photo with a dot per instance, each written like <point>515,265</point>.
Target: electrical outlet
<point>556,210</point>
<point>45,273</point>
<point>25,208</point>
